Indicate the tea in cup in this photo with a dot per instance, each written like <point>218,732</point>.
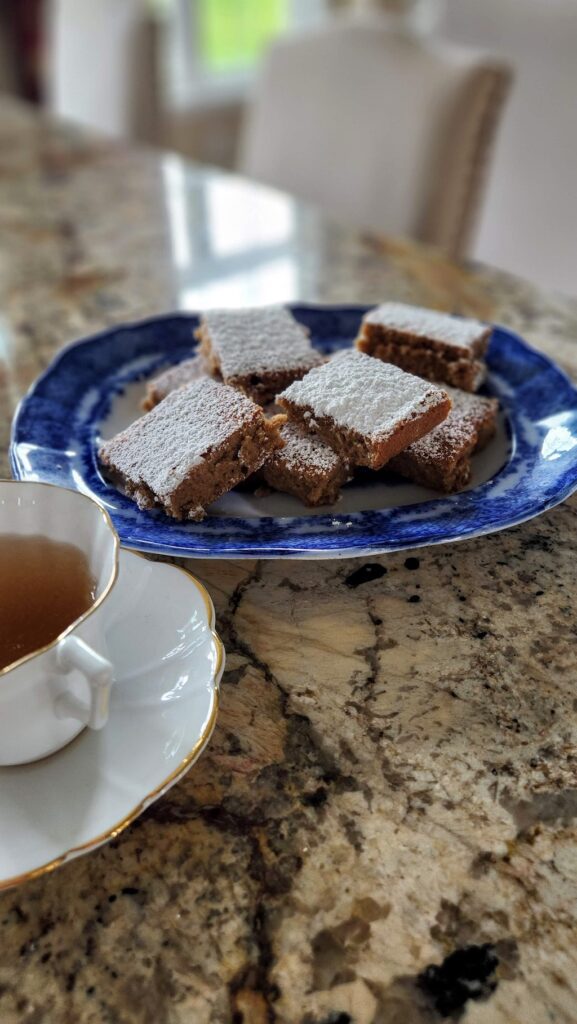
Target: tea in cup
<point>58,565</point>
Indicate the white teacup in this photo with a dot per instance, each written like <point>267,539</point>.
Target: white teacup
<point>52,694</point>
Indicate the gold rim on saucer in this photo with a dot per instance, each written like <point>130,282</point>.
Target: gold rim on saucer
<point>174,776</point>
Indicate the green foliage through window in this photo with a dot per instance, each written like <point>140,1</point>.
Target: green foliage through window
<point>233,33</point>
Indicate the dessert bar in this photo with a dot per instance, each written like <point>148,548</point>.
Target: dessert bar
<point>306,467</point>
<point>433,345</point>
<point>194,446</point>
<point>176,377</point>
<point>366,410</point>
<point>259,351</point>
<point>442,459</point>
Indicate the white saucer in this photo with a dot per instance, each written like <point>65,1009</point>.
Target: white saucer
<point>168,662</point>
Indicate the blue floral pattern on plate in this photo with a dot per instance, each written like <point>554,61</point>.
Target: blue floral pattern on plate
<point>58,425</point>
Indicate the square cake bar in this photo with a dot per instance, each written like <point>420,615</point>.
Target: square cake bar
<point>259,351</point>
<point>442,459</point>
<point>433,345</point>
<point>194,446</point>
<point>173,378</point>
<point>366,410</point>
<point>306,467</point>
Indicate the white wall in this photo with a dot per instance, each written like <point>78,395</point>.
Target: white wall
<point>529,222</point>
<point>101,65</point>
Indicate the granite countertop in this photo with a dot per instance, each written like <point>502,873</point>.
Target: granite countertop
<point>392,783</point>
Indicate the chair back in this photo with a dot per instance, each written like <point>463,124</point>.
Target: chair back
<point>383,131</point>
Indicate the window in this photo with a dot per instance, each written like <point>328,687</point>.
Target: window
<point>213,46</point>
<point>231,35</point>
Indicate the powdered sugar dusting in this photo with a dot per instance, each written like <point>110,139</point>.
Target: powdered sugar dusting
<point>459,431</point>
<point>178,376</point>
<point>465,404</point>
<point>260,340</point>
<point>305,452</point>
<point>427,323</point>
<point>161,448</point>
<point>364,394</point>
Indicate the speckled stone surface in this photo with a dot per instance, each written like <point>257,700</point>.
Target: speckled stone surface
<point>393,777</point>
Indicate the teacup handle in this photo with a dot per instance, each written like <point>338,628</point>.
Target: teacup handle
<point>74,653</point>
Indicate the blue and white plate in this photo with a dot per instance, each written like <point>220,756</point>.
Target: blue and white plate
<point>94,388</point>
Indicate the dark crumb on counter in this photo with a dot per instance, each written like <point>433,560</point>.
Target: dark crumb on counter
<point>315,799</point>
<point>366,574</point>
<point>414,599</point>
<point>333,1018</point>
<point>412,563</point>
<point>463,975</point>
